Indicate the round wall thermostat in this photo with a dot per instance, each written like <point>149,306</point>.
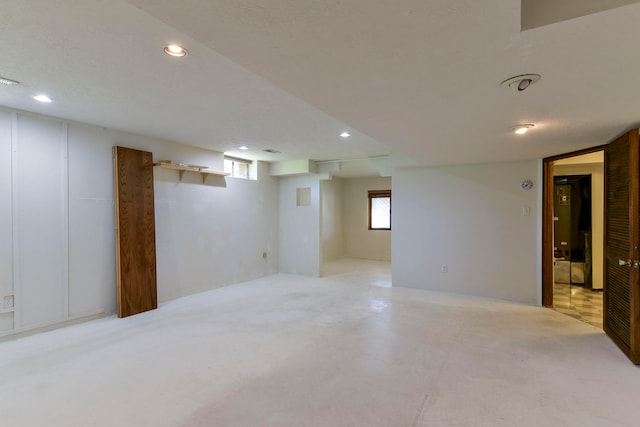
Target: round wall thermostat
<point>527,184</point>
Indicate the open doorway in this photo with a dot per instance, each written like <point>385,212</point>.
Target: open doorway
<point>583,162</point>
<point>578,220</point>
<point>355,225</point>
<point>621,242</point>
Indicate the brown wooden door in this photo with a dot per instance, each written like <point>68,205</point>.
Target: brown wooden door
<point>135,231</point>
<point>621,239</point>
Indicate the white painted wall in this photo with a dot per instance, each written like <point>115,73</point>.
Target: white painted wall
<point>359,241</point>
<point>40,229</point>
<point>6,228</point>
<point>331,216</point>
<point>596,170</point>
<point>60,229</point>
<point>91,221</point>
<point>300,234</point>
<point>223,231</point>
<point>469,218</point>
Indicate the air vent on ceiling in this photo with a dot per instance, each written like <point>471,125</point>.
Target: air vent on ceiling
<point>271,150</point>
<point>8,82</point>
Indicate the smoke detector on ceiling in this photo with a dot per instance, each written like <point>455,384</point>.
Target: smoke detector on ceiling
<point>520,83</point>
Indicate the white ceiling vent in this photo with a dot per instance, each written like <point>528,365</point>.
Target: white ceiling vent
<point>8,82</point>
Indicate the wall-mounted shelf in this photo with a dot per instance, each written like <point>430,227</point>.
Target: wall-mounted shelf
<point>182,168</point>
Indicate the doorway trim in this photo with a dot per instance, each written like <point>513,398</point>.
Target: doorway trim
<point>547,220</point>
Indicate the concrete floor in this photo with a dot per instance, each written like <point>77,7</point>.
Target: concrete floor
<point>344,350</point>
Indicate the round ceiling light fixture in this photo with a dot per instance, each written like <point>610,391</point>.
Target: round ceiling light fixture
<point>520,83</point>
<point>175,50</point>
<point>345,134</point>
<point>42,98</point>
<point>522,129</point>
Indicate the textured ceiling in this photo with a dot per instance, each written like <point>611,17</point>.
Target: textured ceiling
<point>412,78</point>
<point>536,13</point>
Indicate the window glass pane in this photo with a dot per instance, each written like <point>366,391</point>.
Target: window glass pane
<point>381,212</point>
<point>228,166</point>
<point>240,170</point>
<point>237,169</point>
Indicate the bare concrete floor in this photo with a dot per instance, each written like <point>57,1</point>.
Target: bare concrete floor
<point>344,350</point>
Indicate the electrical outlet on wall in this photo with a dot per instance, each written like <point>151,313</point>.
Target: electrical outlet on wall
<point>444,268</point>
<point>7,302</point>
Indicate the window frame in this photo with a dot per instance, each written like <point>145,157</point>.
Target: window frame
<point>378,194</point>
<point>235,160</point>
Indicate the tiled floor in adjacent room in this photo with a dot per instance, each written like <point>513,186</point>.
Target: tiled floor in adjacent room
<point>578,302</point>
<point>343,350</point>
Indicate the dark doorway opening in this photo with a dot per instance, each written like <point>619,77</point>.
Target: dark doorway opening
<point>572,229</point>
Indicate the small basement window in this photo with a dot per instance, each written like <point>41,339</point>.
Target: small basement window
<point>380,210</point>
<point>237,167</point>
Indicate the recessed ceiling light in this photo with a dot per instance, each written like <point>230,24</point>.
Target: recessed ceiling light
<point>345,134</point>
<point>175,50</point>
<point>42,98</point>
<point>244,147</point>
<point>521,129</point>
<point>520,83</point>
<point>8,82</point>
